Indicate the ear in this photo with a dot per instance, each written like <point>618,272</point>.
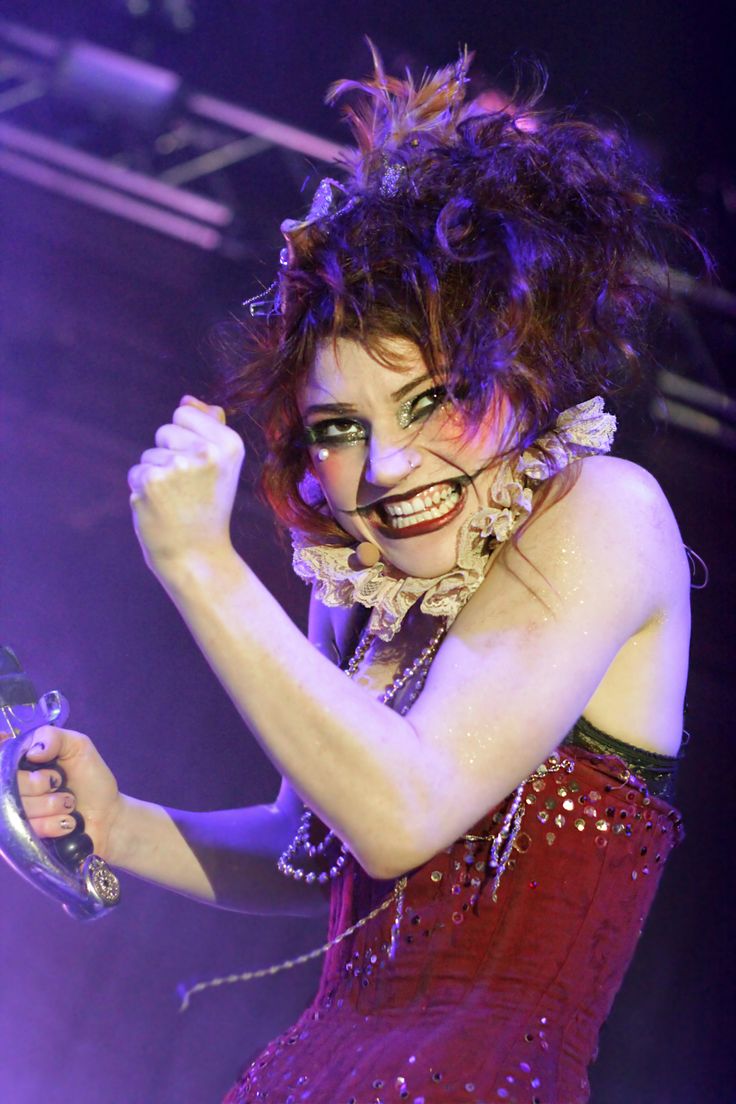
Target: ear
<point>310,488</point>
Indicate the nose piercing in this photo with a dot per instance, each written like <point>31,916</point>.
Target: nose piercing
<point>413,462</point>
<point>323,454</point>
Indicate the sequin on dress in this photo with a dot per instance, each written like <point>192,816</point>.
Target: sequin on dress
<point>489,1001</point>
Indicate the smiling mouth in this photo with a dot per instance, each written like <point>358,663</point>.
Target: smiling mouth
<point>420,512</point>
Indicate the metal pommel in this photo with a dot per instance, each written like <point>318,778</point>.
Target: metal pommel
<point>85,895</point>
<point>89,890</point>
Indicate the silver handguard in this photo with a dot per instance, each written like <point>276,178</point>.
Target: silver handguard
<point>93,888</point>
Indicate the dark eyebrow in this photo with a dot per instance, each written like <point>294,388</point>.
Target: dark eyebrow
<point>348,408</point>
<point>329,408</point>
<point>396,395</point>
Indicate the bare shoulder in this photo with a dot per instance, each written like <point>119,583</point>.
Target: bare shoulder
<point>621,519</point>
<point>608,541</point>
<point>608,484</point>
<point>635,519</point>
<point>593,598</point>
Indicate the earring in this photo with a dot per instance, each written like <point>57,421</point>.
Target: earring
<point>323,454</point>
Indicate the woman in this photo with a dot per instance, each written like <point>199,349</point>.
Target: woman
<point>490,783</point>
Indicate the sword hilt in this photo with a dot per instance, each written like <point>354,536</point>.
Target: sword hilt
<point>65,868</point>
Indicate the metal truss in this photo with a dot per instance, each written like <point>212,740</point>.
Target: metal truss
<point>114,133</point>
<point>117,134</point>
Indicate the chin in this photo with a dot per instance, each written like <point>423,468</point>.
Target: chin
<point>422,557</point>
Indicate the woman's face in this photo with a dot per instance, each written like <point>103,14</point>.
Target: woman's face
<point>398,465</point>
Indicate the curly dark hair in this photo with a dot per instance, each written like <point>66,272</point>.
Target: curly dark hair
<point>518,249</point>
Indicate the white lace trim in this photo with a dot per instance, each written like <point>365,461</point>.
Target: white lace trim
<point>582,430</point>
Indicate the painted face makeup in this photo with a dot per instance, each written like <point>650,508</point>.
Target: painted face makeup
<point>397,464</point>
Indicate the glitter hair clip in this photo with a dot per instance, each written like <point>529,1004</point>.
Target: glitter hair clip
<point>324,208</point>
<point>268,301</point>
<point>393,114</point>
<point>392,179</point>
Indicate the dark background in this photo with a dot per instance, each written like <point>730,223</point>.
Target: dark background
<point>102,327</point>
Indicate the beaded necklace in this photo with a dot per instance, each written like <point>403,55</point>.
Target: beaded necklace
<point>502,841</point>
<point>419,669</point>
<point>583,430</point>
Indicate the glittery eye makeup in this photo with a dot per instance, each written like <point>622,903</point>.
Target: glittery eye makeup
<point>335,431</point>
<point>351,431</point>
<point>421,406</point>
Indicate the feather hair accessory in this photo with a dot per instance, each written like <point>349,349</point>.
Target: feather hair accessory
<point>393,116</point>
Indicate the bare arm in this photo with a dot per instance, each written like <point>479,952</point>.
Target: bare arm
<point>226,857</point>
<point>517,669</point>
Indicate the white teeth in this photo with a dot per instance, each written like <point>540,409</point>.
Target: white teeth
<point>420,503</point>
<point>418,509</point>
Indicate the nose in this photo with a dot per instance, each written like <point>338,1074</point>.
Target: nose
<point>389,462</point>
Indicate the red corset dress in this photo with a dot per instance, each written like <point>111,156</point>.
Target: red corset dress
<point>488,1000</point>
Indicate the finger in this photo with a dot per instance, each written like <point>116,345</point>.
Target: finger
<point>49,806</point>
<point>178,437</point>
<point>204,424</point>
<point>158,457</point>
<point>46,745</point>
<point>136,481</point>
<point>207,408</point>
<point>141,476</point>
<point>32,783</point>
<point>54,826</point>
<point>61,744</point>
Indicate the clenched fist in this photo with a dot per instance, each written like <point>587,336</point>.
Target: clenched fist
<point>182,491</point>
<point>95,792</point>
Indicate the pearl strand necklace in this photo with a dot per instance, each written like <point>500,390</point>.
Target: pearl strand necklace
<point>502,841</point>
<point>418,669</point>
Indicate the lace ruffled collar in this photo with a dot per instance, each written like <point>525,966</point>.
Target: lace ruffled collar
<point>582,430</point>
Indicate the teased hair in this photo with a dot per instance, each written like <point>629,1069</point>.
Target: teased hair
<point>518,249</point>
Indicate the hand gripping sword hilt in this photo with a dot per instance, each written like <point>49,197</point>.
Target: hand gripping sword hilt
<point>65,869</point>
